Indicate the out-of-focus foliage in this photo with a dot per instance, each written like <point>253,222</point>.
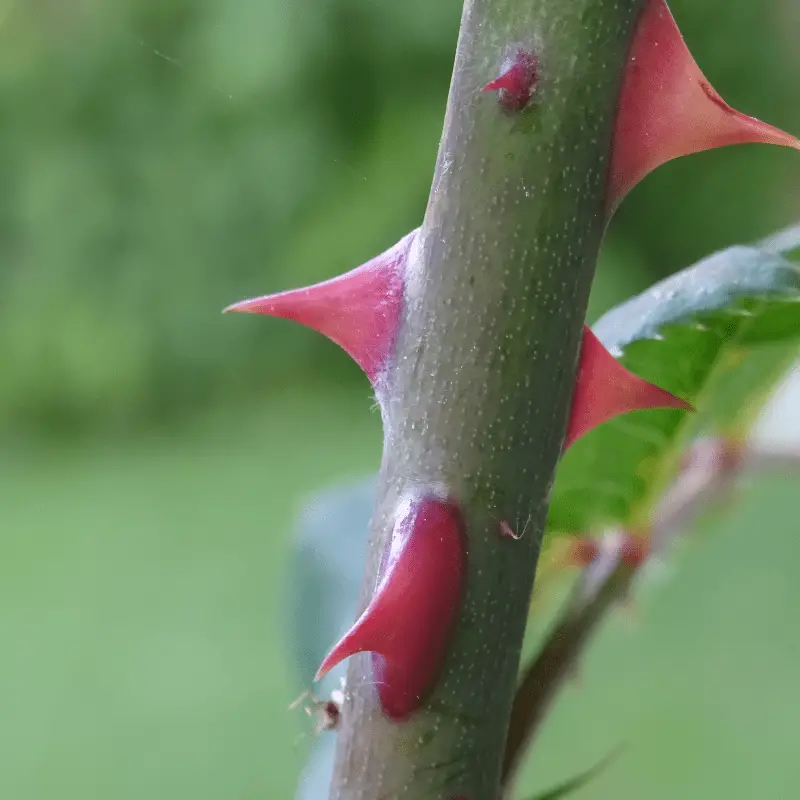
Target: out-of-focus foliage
<point>326,571</point>
<point>160,160</point>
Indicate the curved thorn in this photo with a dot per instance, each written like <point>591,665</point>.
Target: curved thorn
<point>604,389</point>
<point>669,109</point>
<point>359,310</point>
<point>408,621</point>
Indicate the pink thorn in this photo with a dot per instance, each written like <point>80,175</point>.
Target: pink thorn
<point>604,389</point>
<point>668,108</point>
<point>359,310</point>
<point>518,81</point>
<point>408,621</point>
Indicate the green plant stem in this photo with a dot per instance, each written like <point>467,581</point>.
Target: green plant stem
<point>600,588</point>
<point>556,661</point>
<point>480,385</point>
<point>710,477</point>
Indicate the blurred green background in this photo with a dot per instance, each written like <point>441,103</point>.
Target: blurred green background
<point>160,159</point>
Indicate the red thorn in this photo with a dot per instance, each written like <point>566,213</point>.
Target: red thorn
<point>408,621</point>
<point>668,108</point>
<point>517,82</point>
<point>604,389</point>
<point>359,310</point>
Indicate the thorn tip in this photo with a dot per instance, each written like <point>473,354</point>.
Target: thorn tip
<point>604,389</point>
<point>359,311</point>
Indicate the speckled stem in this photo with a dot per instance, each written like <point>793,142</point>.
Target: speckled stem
<point>479,388</point>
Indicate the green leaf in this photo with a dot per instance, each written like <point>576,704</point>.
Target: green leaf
<point>719,334</point>
<point>325,573</point>
<point>326,569</point>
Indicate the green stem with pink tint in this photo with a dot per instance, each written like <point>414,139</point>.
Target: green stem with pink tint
<point>483,369</point>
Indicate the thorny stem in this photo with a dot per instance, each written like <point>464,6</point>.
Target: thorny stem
<point>480,383</point>
<point>713,470</point>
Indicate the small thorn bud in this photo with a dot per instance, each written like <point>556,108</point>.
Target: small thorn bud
<point>623,547</point>
<point>634,549</point>
<point>613,549</point>
<point>517,82</point>
<point>584,551</point>
<point>733,455</point>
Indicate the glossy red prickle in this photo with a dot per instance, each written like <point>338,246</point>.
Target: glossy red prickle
<point>359,310</point>
<point>669,109</point>
<point>517,83</point>
<point>408,622</point>
<point>604,389</point>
